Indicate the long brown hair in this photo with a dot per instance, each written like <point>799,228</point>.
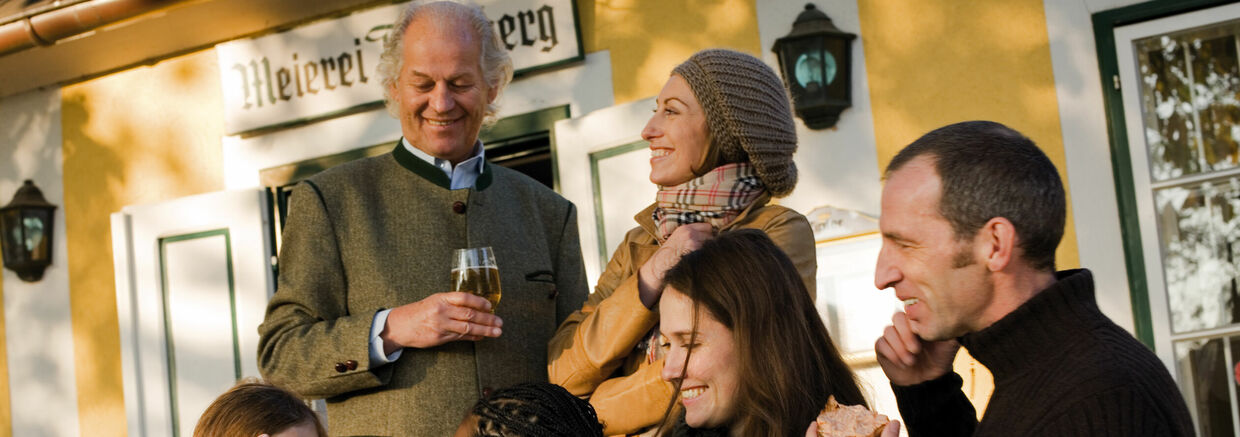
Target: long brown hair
<point>787,363</point>
<point>254,407</point>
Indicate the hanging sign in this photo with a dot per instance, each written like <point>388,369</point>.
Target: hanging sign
<point>330,67</point>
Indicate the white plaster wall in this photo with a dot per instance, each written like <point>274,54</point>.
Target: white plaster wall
<point>1091,182</point>
<point>38,329</point>
<point>836,166</point>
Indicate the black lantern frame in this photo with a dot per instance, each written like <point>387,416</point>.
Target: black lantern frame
<point>27,223</point>
<point>816,62</point>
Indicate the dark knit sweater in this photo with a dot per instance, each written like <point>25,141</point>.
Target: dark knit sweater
<point>1061,368</point>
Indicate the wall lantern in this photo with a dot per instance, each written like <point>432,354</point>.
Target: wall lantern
<point>816,62</point>
<point>27,226</point>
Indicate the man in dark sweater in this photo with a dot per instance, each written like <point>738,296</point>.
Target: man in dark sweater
<point>971,216</point>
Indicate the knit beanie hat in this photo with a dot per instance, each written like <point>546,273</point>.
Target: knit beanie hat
<point>747,113</point>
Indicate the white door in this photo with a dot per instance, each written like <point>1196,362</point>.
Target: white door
<point>192,280</point>
<point>604,168</point>
<point>1181,94</point>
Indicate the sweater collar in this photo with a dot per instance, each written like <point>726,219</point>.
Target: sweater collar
<point>434,174</point>
<point>1040,329</point>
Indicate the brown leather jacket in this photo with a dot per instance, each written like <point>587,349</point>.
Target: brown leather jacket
<point>595,352</point>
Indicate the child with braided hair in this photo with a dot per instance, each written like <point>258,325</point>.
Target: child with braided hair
<point>531,410</point>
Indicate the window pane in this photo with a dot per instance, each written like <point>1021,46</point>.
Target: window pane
<point>1203,365</point>
<point>1216,84</point>
<point>1200,238</point>
<point>33,222</point>
<point>1166,106</point>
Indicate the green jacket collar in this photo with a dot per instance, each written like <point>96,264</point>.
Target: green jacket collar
<point>434,174</point>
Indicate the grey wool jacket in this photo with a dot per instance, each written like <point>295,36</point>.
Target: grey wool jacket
<point>379,233</point>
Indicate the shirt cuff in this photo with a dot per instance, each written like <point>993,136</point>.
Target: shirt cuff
<point>376,344</point>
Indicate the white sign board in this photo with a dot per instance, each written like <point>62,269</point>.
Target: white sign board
<point>330,67</point>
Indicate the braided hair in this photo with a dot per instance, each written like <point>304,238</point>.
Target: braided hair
<point>535,410</point>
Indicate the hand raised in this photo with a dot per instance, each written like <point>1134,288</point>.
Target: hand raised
<point>909,360</point>
<point>685,239</point>
<point>440,318</point>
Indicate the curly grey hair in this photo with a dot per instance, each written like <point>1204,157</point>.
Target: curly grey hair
<point>495,62</point>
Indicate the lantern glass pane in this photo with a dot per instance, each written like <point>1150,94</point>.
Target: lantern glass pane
<point>806,65</point>
<point>10,227</point>
<point>815,69</point>
<point>35,222</point>
<point>838,89</point>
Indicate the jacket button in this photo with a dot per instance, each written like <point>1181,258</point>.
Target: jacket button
<point>341,368</point>
<point>554,292</point>
<point>352,365</point>
<point>486,392</point>
<point>458,207</point>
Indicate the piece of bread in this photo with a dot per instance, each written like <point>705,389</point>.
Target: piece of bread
<point>849,421</point>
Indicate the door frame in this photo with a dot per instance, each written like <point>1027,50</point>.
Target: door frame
<point>148,363</point>
<point>581,142</point>
<point>169,340</point>
<point>1105,23</point>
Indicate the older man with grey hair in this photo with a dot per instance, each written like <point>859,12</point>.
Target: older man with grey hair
<point>362,316</point>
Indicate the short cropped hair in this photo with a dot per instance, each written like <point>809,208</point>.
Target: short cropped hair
<point>989,170</point>
<point>495,63</point>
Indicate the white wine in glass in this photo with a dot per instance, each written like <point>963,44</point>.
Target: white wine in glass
<point>474,271</point>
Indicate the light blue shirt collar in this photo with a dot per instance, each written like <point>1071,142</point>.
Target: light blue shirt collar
<point>464,174</point>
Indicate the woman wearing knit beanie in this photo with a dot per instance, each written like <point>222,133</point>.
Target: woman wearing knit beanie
<point>721,141</point>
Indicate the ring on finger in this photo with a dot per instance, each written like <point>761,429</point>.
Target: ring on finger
<point>469,316</point>
<point>467,328</point>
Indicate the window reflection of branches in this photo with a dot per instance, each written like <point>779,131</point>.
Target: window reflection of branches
<point>1168,115</point>
<point>1190,83</point>
<point>1190,99</point>
<point>1198,229</point>
<point>1216,86</point>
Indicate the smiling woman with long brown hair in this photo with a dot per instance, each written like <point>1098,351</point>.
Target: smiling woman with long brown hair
<point>745,347</point>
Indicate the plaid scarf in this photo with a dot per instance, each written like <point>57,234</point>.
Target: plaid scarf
<point>716,197</point>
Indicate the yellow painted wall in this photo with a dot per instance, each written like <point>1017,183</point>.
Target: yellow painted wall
<point>935,62</point>
<point>143,135</point>
<point>647,38</point>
